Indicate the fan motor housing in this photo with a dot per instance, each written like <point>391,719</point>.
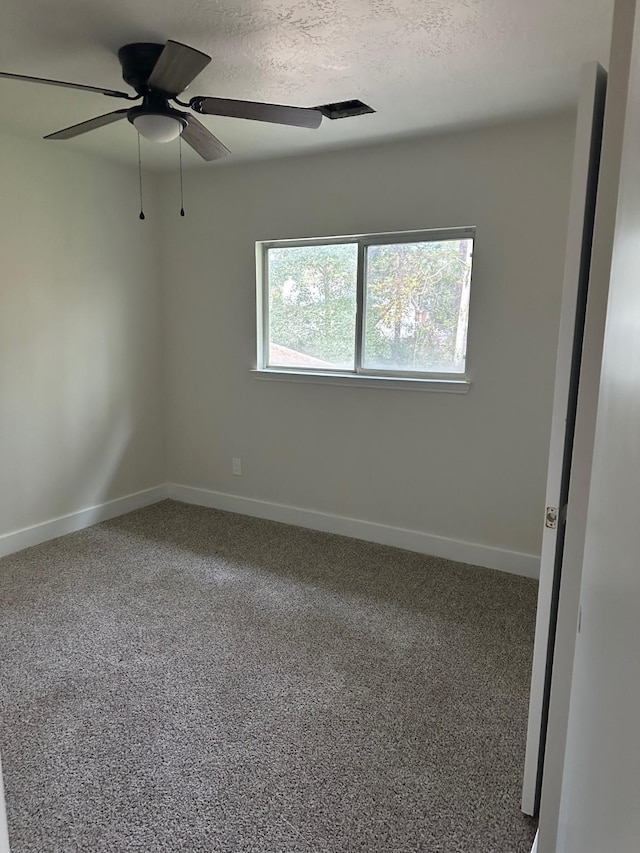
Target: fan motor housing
<point>138,61</point>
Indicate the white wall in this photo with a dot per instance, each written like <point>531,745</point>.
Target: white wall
<point>600,793</point>
<point>4,831</point>
<point>80,402</point>
<point>82,362</point>
<point>467,467</point>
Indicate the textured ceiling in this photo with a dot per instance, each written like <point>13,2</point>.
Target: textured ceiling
<point>424,65</point>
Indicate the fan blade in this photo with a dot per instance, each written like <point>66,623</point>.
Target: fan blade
<point>176,67</point>
<point>203,141</point>
<point>86,126</point>
<point>112,93</point>
<point>275,113</point>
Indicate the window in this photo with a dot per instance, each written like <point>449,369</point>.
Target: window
<point>382,305</point>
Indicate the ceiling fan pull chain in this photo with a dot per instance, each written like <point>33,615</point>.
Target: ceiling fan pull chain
<point>181,186</point>
<point>142,216</point>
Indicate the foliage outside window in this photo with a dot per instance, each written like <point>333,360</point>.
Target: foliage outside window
<point>376,305</point>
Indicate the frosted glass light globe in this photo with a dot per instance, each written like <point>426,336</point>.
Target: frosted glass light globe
<point>158,128</point>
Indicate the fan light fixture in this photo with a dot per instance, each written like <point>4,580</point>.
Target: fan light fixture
<point>158,128</point>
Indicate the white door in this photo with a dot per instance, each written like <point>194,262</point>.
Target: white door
<point>563,429</point>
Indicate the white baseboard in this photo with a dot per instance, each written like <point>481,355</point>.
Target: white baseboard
<point>514,562</point>
<point>534,849</point>
<point>28,536</point>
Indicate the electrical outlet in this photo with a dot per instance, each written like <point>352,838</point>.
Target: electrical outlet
<point>236,467</point>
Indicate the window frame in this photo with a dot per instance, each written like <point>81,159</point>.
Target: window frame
<point>456,382</point>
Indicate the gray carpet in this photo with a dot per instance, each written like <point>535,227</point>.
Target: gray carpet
<point>181,679</point>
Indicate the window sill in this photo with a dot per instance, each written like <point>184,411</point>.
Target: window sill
<point>447,386</point>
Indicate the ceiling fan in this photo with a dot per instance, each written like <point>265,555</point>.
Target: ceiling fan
<point>158,74</point>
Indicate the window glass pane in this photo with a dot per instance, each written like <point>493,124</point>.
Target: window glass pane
<point>312,306</point>
<point>417,306</point>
